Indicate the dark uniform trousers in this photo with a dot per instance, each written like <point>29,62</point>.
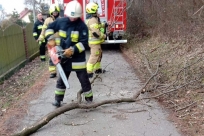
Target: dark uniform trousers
<point>83,79</point>
<point>52,64</point>
<point>42,49</point>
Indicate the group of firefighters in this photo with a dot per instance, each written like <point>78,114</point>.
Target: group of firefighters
<point>73,35</point>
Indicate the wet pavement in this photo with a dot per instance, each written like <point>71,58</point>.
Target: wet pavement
<point>144,118</point>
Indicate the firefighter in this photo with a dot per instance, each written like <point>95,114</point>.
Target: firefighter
<point>36,33</point>
<point>96,37</point>
<point>74,39</point>
<point>54,14</point>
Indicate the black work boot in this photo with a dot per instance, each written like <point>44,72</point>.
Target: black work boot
<point>89,99</point>
<point>56,103</point>
<point>99,71</point>
<point>90,75</point>
<point>53,75</point>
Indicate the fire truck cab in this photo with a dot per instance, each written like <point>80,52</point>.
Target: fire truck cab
<point>112,11</point>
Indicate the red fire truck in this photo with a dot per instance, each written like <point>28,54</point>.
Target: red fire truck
<point>112,11</point>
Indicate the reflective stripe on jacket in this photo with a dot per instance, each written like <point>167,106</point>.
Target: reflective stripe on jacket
<point>48,21</point>
<point>37,28</point>
<point>94,26</point>
<point>72,34</point>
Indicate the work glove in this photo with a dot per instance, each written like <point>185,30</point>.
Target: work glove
<point>68,52</point>
<point>41,38</point>
<point>51,42</point>
<point>102,30</point>
<point>39,42</point>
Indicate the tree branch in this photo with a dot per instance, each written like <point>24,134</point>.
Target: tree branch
<point>186,106</point>
<point>68,107</point>
<point>172,90</point>
<point>198,10</point>
<point>144,86</point>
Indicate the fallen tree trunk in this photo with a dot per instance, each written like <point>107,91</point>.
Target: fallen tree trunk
<point>68,107</point>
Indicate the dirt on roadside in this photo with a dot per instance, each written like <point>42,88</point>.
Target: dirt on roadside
<point>16,93</point>
<point>185,106</point>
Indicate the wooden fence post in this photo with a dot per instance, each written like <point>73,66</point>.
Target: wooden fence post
<point>25,45</point>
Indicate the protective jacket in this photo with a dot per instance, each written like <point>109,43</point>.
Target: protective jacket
<point>72,34</point>
<point>48,21</point>
<point>37,29</point>
<point>96,29</point>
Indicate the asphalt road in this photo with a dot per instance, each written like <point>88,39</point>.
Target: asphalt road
<point>144,118</point>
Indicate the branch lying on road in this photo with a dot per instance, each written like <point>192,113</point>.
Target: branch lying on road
<point>68,107</point>
<point>79,98</point>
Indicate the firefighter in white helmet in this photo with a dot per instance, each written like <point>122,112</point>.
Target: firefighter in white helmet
<point>74,39</point>
<point>96,37</point>
<point>54,14</point>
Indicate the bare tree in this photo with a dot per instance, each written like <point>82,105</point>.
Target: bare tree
<point>2,14</point>
<point>40,6</point>
<point>4,19</point>
<point>5,23</point>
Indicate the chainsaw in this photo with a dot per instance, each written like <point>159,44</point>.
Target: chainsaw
<point>56,53</point>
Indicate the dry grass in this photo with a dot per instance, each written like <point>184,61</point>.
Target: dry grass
<point>171,33</point>
<point>186,105</point>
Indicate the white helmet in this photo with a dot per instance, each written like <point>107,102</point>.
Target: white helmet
<point>73,9</point>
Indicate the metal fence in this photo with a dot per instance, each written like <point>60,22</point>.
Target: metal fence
<point>17,46</point>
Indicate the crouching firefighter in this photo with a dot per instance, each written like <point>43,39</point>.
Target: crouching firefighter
<point>96,37</point>
<point>73,33</point>
<point>54,14</point>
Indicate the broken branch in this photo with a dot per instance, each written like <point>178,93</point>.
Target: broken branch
<point>144,86</point>
<point>68,107</point>
<point>186,106</point>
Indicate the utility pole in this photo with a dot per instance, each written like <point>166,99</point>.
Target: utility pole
<point>34,16</point>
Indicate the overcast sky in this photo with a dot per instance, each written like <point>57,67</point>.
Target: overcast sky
<point>9,5</point>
